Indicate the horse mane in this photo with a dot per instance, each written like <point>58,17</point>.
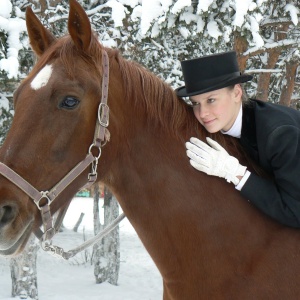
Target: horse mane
<point>168,111</point>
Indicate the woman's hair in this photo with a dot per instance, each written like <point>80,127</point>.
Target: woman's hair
<point>245,98</point>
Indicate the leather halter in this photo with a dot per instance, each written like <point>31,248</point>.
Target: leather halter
<point>44,199</point>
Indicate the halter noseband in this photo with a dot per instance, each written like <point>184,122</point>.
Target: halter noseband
<point>44,199</point>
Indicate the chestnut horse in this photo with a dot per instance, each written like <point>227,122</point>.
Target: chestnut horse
<point>205,239</point>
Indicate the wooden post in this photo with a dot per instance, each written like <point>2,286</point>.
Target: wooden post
<point>78,222</point>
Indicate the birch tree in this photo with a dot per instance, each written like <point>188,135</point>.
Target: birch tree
<point>106,253</point>
<point>23,272</point>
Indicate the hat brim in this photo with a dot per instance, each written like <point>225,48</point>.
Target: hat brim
<point>181,91</point>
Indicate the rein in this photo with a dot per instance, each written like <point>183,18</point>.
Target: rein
<point>44,199</point>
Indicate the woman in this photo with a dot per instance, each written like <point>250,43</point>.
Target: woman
<point>269,133</point>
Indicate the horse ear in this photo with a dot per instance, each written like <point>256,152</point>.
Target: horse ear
<point>40,38</point>
<point>79,26</point>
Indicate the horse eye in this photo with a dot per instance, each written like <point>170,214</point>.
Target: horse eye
<point>69,103</point>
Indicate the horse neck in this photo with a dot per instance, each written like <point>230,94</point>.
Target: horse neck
<point>174,208</point>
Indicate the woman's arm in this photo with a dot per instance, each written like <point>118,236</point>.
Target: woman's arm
<point>279,198</point>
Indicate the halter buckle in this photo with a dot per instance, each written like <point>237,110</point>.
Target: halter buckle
<point>103,114</point>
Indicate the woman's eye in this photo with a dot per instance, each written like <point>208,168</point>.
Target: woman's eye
<point>69,103</point>
<point>190,102</point>
<point>194,103</point>
<point>210,100</point>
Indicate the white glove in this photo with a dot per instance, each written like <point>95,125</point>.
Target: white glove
<point>214,160</point>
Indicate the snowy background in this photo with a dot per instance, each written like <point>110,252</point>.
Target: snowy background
<point>160,33</point>
<point>208,29</point>
<point>152,18</point>
<point>74,279</point>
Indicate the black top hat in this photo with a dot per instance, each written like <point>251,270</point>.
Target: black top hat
<point>209,73</point>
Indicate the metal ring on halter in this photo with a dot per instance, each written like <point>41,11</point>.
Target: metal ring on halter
<point>99,149</point>
<point>44,196</point>
<point>45,245</point>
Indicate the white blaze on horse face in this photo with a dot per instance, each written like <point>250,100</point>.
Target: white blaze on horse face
<point>42,78</point>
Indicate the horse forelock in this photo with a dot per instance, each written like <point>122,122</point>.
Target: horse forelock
<point>67,53</point>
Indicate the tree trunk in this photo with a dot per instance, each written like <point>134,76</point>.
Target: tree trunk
<point>106,256</point>
<point>23,272</point>
<point>263,83</point>
<point>289,85</point>
<point>96,210</point>
<point>264,79</point>
<point>240,46</point>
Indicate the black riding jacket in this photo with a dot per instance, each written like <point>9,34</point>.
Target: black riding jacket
<point>271,136</point>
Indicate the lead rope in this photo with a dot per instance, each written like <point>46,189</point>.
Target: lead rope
<point>59,252</point>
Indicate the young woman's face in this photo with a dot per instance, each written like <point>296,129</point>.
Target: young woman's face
<point>217,110</point>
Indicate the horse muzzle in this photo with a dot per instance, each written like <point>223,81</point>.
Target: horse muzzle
<point>14,229</point>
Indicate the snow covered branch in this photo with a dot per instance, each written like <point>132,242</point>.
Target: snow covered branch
<point>283,44</point>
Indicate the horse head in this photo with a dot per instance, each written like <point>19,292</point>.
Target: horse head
<point>54,123</point>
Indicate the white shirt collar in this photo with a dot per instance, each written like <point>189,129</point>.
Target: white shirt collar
<point>236,128</point>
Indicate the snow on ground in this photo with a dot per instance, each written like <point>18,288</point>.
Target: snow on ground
<point>74,279</point>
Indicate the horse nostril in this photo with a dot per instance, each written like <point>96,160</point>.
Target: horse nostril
<point>7,214</point>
